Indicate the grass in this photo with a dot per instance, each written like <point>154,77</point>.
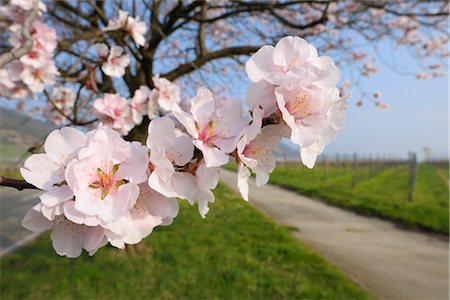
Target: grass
<point>236,253</point>
<point>384,194</point>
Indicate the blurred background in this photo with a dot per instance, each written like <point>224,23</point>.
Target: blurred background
<point>376,203</point>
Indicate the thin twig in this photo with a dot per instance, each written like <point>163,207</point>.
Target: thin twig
<point>15,183</point>
<point>11,55</point>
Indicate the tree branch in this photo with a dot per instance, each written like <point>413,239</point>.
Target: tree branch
<point>200,61</point>
<point>17,184</point>
<point>8,57</point>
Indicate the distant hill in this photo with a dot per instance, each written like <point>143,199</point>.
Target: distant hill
<point>19,129</point>
<point>289,151</point>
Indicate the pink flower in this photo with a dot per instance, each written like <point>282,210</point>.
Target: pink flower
<point>314,115</point>
<point>115,112</point>
<point>167,93</point>
<point>5,82</point>
<point>172,176</point>
<point>215,126</point>
<point>254,151</point>
<point>37,78</point>
<point>68,238</point>
<point>380,104</point>
<point>64,99</point>
<point>143,104</point>
<point>169,151</point>
<point>102,51</point>
<point>294,57</point>
<point>137,30</point>
<point>104,177</point>
<point>133,26</point>
<point>150,210</point>
<point>46,170</point>
<point>116,63</point>
<point>196,186</point>
<point>421,76</point>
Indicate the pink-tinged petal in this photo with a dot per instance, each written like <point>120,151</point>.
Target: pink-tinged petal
<point>35,221</point>
<point>56,195</point>
<point>167,208</point>
<point>290,51</point>
<point>231,122</point>
<point>93,239</point>
<point>205,197</point>
<point>203,106</point>
<point>213,156</point>
<point>261,178</point>
<point>262,94</point>
<point>309,155</point>
<point>41,171</point>
<point>185,119</point>
<point>62,144</point>
<point>207,177</point>
<point>102,243</point>
<point>161,131</point>
<point>67,238</point>
<point>185,185</point>
<point>184,150</point>
<point>329,75</point>
<point>165,188</point>
<point>52,212</point>
<point>243,176</point>
<point>260,63</point>
<point>74,215</point>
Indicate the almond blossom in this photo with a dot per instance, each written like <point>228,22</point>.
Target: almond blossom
<point>135,28</point>
<point>215,126</point>
<point>68,238</point>
<point>104,177</point>
<point>254,151</point>
<point>143,103</point>
<point>166,93</point>
<point>115,112</point>
<point>172,176</point>
<point>46,170</point>
<point>63,99</point>
<point>196,185</point>
<point>169,152</point>
<point>116,62</point>
<point>314,116</point>
<point>150,210</point>
<point>291,62</point>
<point>304,92</point>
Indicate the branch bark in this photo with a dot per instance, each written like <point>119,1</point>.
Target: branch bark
<point>200,61</point>
<point>10,56</point>
<point>17,184</point>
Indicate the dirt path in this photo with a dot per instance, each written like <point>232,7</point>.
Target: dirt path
<point>387,261</point>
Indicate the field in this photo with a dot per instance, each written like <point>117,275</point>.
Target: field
<point>378,190</point>
<point>236,253</point>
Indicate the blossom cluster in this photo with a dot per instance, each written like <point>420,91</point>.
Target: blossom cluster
<point>29,74</point>
<point>123,115</point>
<point>102,189</point>
<point>95,191</point>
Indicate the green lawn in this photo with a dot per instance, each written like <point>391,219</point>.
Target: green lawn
<point>384,194</point>
<point>236,253</point>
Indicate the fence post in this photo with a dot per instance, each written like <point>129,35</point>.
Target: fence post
<point>355,170</point>
<point>337,164</point>
<point>412,175</point>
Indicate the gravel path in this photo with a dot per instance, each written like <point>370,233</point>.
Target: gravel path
<point>389,262</point>
<point>13,207</point>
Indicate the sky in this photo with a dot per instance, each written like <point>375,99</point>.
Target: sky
<point>417,116</point>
